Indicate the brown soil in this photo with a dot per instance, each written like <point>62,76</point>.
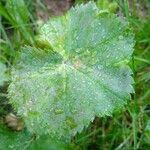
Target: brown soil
<point>54,8</point>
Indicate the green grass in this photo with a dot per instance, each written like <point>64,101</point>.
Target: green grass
<point>128,129</point>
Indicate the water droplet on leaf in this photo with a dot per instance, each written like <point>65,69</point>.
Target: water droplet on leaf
<point>58,111</point>
<point>120,37</point>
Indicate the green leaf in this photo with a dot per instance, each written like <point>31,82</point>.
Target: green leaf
<point>85,74</point>
<point>108,5</point>
<point>3,76</point>
<point>11,140</point>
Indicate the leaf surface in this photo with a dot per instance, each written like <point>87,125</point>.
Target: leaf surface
<point>59,91</point>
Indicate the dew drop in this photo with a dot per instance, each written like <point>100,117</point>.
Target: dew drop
<point>78,50</point>
<point>58,111</point>
<point>77,38</point>
<point>25,114</point>
<point>99,23</point>
<point>11,146</point>
<point>108,105</point>
<point>120,37</point>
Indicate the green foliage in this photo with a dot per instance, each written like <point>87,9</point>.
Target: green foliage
<point>3,76</point>
<point>58,91</point>
<point>111,6</point>
<point>81,1</point>
<point>10,140</point>
<point>18,16</point>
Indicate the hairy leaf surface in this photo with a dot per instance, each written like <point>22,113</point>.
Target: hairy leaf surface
<point>59,91</point>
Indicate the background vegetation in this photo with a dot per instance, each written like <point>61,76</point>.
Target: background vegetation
<point>128,129</point>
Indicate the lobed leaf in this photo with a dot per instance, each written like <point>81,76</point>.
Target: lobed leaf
<point>59,91</point>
